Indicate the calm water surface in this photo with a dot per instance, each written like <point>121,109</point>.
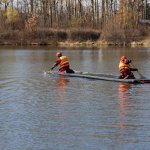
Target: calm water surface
<point>42,112</point>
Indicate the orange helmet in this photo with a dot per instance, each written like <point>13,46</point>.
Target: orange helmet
<point>58,54</point>
<point>123,58</point>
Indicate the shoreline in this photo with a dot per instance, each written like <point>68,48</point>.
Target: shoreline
<point>71,39</point>
<point>78,44</point>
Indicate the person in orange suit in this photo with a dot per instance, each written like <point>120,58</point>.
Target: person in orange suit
<point>125,69</point>
<point>63,62</point>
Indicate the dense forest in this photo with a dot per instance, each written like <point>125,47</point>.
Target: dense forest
<point>118,21</point>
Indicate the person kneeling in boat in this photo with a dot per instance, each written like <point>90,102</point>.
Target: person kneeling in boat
<point>125,69</point>
<point>63,62</point>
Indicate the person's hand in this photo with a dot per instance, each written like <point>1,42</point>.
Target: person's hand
<point>130,61</point>
<point>134,69</point>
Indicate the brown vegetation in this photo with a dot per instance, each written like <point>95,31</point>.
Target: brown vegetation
<point>48,36</point>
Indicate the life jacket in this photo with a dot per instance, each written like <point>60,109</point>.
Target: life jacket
<point>64,62</point>
<point>123,65</point>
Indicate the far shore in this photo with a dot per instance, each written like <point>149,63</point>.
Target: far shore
<point>74,38</point>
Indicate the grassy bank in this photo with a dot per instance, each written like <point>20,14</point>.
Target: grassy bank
<point>76,38</point>
<point>47,37</point>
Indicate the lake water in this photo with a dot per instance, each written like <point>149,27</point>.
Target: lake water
<point>42,112</point>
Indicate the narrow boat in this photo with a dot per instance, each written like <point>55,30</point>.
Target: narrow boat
<point>99,76</point>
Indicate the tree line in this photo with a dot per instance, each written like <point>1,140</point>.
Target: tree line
<point>104,15</point>
<point>71,13</point>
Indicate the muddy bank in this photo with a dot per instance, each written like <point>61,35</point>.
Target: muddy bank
<point>77,44</point>
<point>102,43</point>
<point>99,43</point>
<point>144,43</point>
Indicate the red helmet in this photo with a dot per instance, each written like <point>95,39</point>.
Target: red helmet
<point>58,54</point>
<point>123,58</point>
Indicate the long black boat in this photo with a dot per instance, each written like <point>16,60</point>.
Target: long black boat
<point>99,76</point>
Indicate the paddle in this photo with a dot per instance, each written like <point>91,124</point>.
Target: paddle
<point>142,77</point>
<point>49,72</point>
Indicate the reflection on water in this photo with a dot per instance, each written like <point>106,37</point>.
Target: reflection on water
<point>122,123</point>
<point>61,87</point>
<point>123,102</point>
<point>123,92</point>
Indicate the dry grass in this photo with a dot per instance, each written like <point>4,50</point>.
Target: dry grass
<point>121,35</point>
<point>111,33</point>
<point>46,35</point>
<point>84,35</point>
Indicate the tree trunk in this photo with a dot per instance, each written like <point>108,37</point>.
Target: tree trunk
<point>31,3</point>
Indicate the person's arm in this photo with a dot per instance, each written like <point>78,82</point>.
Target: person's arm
<point>133,69</point>
<point>128,62</point>
<point>56,64</point>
